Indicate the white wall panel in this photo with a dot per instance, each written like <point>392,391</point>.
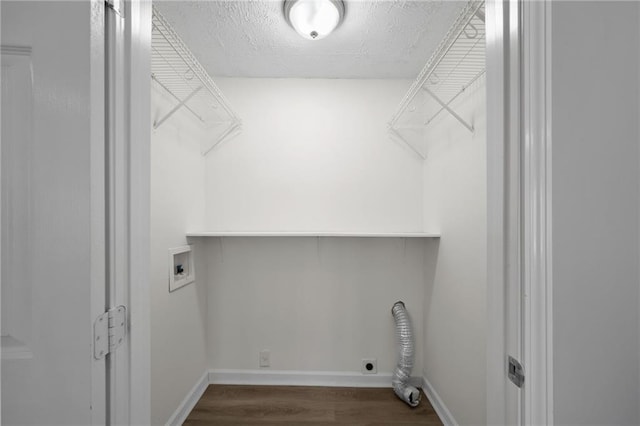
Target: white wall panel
<point>314,155</point>
<point>178,319</point>
<point>316,304</point>
<point>455,202</point>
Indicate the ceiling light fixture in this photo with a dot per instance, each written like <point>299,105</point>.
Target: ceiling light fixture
<point>314,19</point>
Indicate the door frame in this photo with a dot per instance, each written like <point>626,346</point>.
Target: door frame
<point>519,282</point>
<point>537,202</point>
<point>519,202</point>
<point>138,42</point>
<point>98,209</point>
<point>499,206</point>
<point>129,396</point>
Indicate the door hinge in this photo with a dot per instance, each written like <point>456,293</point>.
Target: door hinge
<point>116,6</point>
<point>515,372</point>
<point>109,331</point>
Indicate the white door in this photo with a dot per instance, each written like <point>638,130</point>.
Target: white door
<point>53,212</point>
<point>74,210</point>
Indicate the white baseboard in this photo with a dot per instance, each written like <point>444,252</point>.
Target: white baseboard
<point>438,405</point>
<point>190,401</point>
<point>303,378</point>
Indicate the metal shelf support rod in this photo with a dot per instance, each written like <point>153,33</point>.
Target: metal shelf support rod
<point>153,77</point>
<point>230,132</point>
<point>398,137</point>
<point>449,110</point>
<point>176,108</point>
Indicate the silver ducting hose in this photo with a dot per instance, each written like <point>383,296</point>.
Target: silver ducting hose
<point>402,373</point>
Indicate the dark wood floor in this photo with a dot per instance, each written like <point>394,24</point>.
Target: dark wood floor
<point>303,405</point>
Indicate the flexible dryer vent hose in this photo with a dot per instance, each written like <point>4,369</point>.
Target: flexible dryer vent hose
<point>402,373</point>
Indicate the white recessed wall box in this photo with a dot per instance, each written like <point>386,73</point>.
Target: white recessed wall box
<point>181,270</point>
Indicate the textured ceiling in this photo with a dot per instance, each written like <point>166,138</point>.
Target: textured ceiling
<point>377,39</point>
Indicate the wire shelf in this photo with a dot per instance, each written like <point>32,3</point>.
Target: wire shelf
<point>176,70</point>
<point>456,64</point>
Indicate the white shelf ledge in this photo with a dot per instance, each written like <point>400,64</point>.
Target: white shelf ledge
<point>316,234</point>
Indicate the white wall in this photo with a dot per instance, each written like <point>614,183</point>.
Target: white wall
<point>595,212</point>
<point>316,304</point>
<point>455,299</point>
<point>313,155</point>
<point>178,319</point>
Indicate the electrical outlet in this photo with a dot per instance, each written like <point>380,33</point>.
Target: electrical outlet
<point>265,358</point>
<point>369,366</point>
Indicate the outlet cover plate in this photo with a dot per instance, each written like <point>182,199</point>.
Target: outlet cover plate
<point>265,358</point>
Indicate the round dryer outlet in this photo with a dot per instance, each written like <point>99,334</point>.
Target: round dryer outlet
<point>369,366</point>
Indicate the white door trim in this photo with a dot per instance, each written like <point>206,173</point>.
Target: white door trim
<point>537,279</point>
<point>128,46</point>
<point>98,217</point>
<point>506,201</point>
<point>139,40</point>
<point>519,305</point>
<point>118,142</point>
<point>519,228</point>
<point>502,207</point>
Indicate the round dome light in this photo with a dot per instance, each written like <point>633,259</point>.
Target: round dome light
<point>314,19</point>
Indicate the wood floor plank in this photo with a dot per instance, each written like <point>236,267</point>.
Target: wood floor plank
<point>307,406</point>
<point>382,412</point>
<point>287,393</point>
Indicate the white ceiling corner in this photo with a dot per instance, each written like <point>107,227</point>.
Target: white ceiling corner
<point>251,38</point>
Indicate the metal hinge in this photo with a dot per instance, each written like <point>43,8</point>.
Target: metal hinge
<point>109,331</point>
<point>116,6</point>
<point>516,372</point>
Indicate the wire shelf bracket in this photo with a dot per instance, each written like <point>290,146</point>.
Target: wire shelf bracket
<point>176,108</point>
<point>449,110</point>
<point>395,135</point>
<point>231,131</point>
<point>176,70</point>
<point>457,63</point>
